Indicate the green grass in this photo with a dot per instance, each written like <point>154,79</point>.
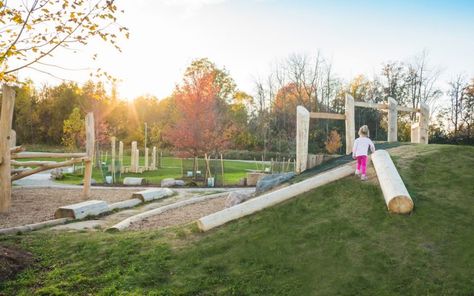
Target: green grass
<point>335,240</point>
<point>234,170</point>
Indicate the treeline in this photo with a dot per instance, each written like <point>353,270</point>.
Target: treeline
<point>207,113</point>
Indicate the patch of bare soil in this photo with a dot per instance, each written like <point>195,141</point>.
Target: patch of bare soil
<point>12,261</point>
<point>181,215</point>
<point>37,205</point>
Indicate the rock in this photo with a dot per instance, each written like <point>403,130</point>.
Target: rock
<point>235,198</point>
<point>133,181</point>
<point>57,174</point>
<point>170,182</point>
<point>270,181</point>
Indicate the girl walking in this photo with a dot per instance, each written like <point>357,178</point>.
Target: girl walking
<point>360,151</point>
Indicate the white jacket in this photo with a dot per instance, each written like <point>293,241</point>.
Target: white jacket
<point>361,146</point>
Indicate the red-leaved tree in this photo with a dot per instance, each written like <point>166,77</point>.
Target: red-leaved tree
<point>199,127</point>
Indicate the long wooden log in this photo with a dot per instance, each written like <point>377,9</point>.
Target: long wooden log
<point>272,198</point>
<point>6,117</point>
<point>349,123</point>
<point>47,155</point>
<point>35,226</point>
<point>31,163</point>
<point>46,167</point>
<point>396,195</point>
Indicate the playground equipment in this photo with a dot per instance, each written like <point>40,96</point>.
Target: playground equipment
<point>135,159</point>
<point>8,154</point>
<point>419,130</point>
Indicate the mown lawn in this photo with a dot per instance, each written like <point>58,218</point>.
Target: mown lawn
<point>335,240</point>
<point>234,170</point>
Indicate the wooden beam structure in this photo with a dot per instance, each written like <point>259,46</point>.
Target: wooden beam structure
<point>302,134</point>
<point>47,166</point>
<point>350,123</point>
<point>6,117</point>
<point>47,155</point>
<point>323,115</point>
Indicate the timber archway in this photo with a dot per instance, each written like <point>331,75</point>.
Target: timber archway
<point>419,129</point>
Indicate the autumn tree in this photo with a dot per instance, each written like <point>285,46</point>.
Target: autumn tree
<point>202,100</point>
<point>32,31</point>
<point>333,142</point>
<point>73,130</point>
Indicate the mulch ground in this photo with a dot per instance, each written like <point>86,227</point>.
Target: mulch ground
<point>181,215</point>
<point>37,205</point>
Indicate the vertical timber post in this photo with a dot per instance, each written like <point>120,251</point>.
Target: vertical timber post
<point>133,155</point>
<point>415,133</point>
<point>424,122</point>
<point>350,123</point>
<point>153,158</point>
<point>6,117</point>
<point>121,157</point>
<point>302,135</point>
<point>137,161</point>
<point>392,120</point>
<point>90,144</point>
<point>113,139</point>
<point>146,158</point>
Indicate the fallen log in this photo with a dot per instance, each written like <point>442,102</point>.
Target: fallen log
<point>395,193</point>
<point>153,194</point>
<point>82,210</point>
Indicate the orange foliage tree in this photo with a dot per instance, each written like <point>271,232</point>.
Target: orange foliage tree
<point>201,125</point>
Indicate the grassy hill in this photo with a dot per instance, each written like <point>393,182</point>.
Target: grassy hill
<point>335,240</point>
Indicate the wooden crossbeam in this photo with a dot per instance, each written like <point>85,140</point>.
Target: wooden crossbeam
<point>47,155</point>
<point>323,115</point>
<point>385,107</point>
<point>48,166</point>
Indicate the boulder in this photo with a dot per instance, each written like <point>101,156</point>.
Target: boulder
<point>271,181</point>
<point>235,198</point>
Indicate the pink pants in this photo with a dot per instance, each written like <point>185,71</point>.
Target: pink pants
<point>362,164</point>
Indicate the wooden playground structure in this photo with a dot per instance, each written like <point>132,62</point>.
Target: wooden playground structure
<point>10,153</point>
<point>419,129</point>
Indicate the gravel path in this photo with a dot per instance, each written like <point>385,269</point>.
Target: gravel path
<point>37,205</point>
<point>181,215</point>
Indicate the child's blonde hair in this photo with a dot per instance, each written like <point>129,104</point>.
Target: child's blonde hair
<point>364,131</point>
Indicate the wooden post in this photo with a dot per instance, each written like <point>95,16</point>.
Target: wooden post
<point>146,159</point>
<point>222,169</point>
<point>121,156</point>
<point>137,161</point>
<point>415,133</point>
<point>153,158</point>
<point>424,123</point>
<point>160,164</point>
<point>6,117</point>
<point>302,134</point>
<point>113,139</point>
<point>350,123</point>
<point>392,120</point>
<point>90,144</point>
<point>133,155</point>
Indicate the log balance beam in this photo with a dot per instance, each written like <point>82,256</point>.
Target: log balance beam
<point>395,193</point>
<point>272,198</point>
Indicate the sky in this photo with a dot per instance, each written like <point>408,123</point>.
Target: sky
<point>247,36</point>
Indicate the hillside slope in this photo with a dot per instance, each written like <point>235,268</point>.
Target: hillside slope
<point>335,240</point>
